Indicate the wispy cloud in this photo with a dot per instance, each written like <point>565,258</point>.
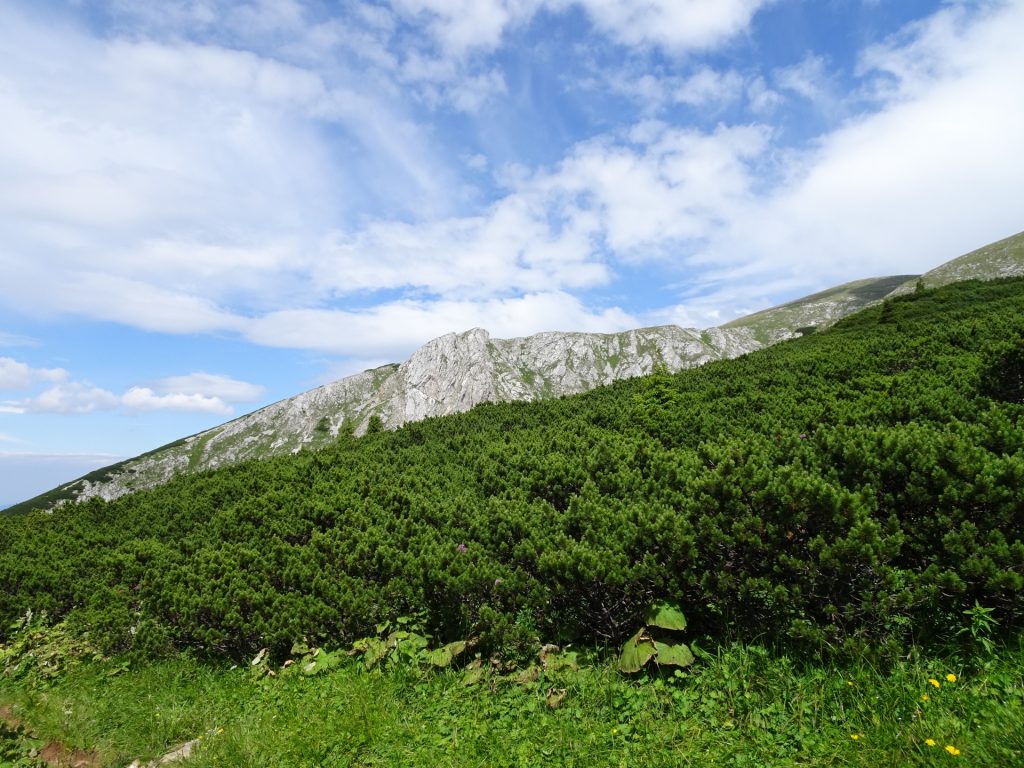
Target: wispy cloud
<point>16,340</point>
<point>15,375</point>
<point>194,393</point>
<point>211,385</point>
<point>265,171</point>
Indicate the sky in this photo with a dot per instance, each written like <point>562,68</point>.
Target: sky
<point>207,206</point>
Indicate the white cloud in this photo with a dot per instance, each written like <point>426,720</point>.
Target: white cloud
<point>676,25</point>
<point>211,385</point>
<point>761,98</point>
<point>808,79</point>
<point>709,87</point>
<point>145,399</point>
<point>196,392</point>
<point>16,340</point>
<point>931,175</point>
<point>669,186</point>
<point>69,398</point>
<point>187,174</point>
<point>17,375</point>
<point>461,26</point>
<point>396,329</point>
<point>943,151</point>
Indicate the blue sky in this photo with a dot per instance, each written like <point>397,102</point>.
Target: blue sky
<point>207,206</point>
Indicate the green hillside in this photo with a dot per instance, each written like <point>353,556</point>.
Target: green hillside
<point>822,309</point>
<point>859,486</point>
<point>1004,258</point>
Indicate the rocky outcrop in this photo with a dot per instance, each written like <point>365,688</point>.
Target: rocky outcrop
<point>457,371</point>
<point>448,375</point>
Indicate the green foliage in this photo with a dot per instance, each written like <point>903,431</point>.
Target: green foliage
<point>854,488</point>
<point>18,749</point>
<point>656,641</point>
<point>742,706</point>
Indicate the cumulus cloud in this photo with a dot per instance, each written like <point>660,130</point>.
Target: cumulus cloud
<point>69,398</point>
<point>16,375</point>
<point>193,168</point>
<point>677,25</point>
<point>197,172</point>
<point>395,329</point>
<point>461,26</point>
<point>211,385</point>
<point>145,399</point>
<point>925,178</point>
<point>196,393</point>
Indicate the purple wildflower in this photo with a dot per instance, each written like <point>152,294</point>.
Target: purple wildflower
<point>461,547</point>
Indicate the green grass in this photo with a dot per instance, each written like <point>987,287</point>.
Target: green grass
<point>742,707</point>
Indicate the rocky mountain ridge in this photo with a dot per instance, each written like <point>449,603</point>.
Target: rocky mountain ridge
<point>458,371</point>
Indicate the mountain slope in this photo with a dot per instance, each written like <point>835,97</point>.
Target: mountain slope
<point>455,372</point>
<point>863,485</point>
<point>817,310</point>
<point>1003,258</point>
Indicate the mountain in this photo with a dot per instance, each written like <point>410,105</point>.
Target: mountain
<point>1004,258</point>
<point>457,371</point>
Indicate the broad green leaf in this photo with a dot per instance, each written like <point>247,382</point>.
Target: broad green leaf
<point>665,616</point>
<point>375,651</point>
<point>674,654</point>
<point>322,662</point>
<point>637,651</point>
<point>443,656</point>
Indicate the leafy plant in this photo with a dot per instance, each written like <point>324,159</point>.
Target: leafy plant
<point>656,642</point>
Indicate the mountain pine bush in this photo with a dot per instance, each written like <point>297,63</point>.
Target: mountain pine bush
<point>860,485</point>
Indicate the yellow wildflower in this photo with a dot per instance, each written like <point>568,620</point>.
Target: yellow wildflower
<point>849,682</point>
<point>952,750</point>
<point>930,742</point>
<point>934,682</point>
<point>924,697</point>
<point>951,677</point>
<point>855,736</point>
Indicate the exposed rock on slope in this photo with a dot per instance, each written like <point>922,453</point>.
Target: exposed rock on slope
<point>458,371</point>
<point>1004,258</point>
<point>448,375</point>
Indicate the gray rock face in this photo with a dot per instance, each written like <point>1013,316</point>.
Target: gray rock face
<point>448,375</point>
<point>457,371</point>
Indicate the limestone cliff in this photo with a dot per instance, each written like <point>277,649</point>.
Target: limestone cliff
<point>457,371</point>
